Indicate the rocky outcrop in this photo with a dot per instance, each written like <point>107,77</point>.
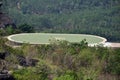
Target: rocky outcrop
<point>5,75</point>
<point>3,55</point>
<point>21,59</point>
<point>23,62</point>
<point>5,20</point>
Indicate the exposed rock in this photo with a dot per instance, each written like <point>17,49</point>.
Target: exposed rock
<point>4,75</point>
<point>22,61</point>
<point>6,21</point>
<point>4,72</point>
<point>0,3</point>
<point>33,62</point>
<point>4,54</point>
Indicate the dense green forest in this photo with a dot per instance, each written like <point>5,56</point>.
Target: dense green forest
<point>98,17</point>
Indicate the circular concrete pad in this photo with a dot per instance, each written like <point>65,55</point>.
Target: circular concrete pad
<point>44,38</point>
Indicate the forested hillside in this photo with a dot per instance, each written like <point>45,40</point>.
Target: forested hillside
<point>60,60</point>
<point>98,17</point>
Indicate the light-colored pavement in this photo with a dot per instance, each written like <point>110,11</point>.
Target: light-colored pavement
<point>115,45</point>
<point>112,44</point>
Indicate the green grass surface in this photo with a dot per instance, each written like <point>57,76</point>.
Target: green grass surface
<point>44,38</point>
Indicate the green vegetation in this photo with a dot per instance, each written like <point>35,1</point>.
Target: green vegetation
<point>61,60</point>
<point>8,30</point>
<point>46,38</point>
<point>25,28</point>
<point>98,17</point>
<point>64,61</point>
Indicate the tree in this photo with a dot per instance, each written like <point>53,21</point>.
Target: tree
<point>69,75</point>
<point>9,30</point>
<point>114,62</point>
<point>45,23</point>
<point>26,28</point>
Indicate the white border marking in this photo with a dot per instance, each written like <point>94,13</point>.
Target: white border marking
<point>92,44</point>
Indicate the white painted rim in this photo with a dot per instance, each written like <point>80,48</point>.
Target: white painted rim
<point>10,39</point>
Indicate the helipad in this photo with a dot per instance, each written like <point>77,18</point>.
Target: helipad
<point>45,38</point>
